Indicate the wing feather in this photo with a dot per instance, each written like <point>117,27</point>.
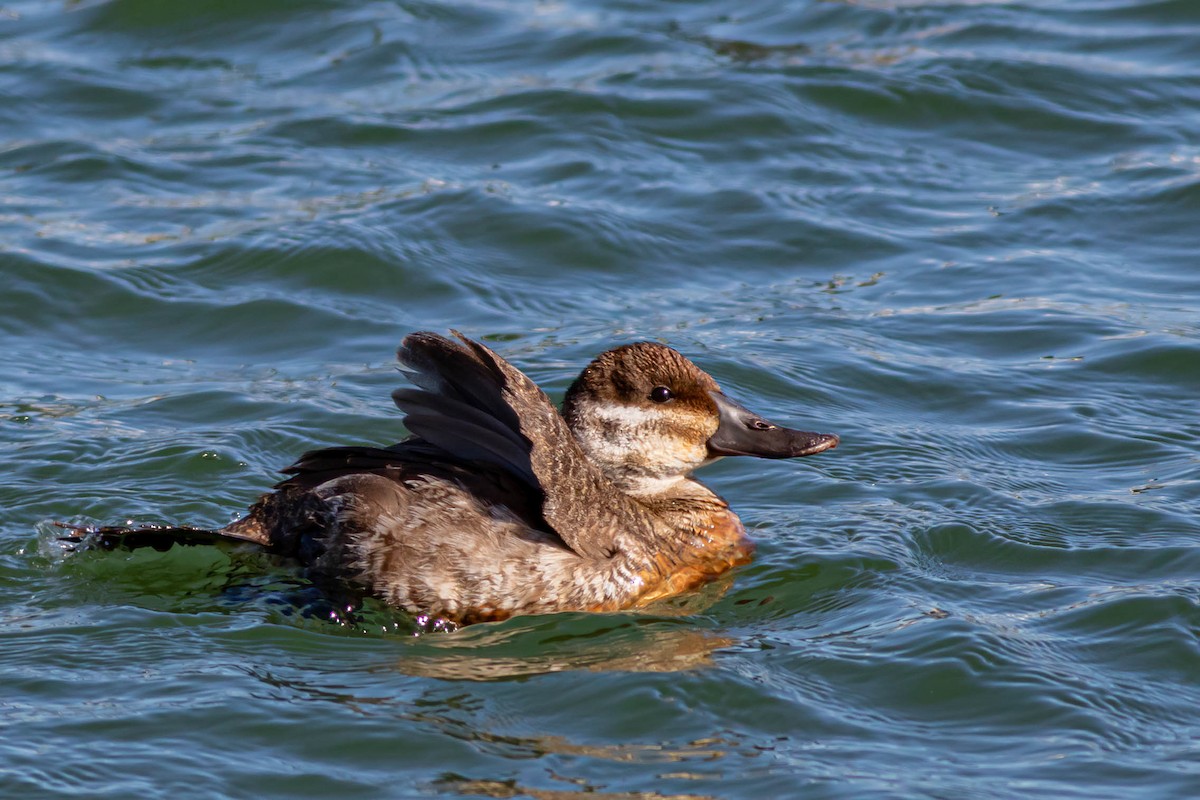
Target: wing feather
<point>472,406</point>
<point>582,505</point>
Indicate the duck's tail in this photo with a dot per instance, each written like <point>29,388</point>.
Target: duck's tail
<point>159,537</point>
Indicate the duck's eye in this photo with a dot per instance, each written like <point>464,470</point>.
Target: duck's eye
<point>660,394</point>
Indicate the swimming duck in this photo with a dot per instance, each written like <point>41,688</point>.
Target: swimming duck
<point>499,505</point>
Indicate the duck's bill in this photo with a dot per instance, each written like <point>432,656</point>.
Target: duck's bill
<point>744,433</point>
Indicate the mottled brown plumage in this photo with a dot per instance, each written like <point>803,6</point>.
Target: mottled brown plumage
<point>498,505</point>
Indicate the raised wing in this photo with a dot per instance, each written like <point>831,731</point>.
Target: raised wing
<point>475,405</point>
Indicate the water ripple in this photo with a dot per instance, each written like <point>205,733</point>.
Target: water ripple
<point>959,234</point>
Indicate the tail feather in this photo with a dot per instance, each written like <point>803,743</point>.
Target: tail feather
<point>134,537</point>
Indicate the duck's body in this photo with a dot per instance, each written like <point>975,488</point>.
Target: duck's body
<point>498,505</point>
<point>468,545</point>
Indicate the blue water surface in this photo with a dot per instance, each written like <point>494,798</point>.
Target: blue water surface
<point>960,233</point>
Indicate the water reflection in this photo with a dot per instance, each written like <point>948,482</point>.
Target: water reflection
<point>511,788</point>
<point>512,756</point>
<point>622,647</point>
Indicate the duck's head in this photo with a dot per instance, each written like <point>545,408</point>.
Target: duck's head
<point>647,416</point>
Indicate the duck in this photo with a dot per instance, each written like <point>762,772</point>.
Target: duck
<point>499,505</point>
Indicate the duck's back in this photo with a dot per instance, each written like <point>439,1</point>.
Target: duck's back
<point>424,530</point>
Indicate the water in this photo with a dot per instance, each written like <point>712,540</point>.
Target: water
<point>960,234</point>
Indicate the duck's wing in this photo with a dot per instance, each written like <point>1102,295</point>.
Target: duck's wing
<point>458,407</point>
<point>329,463</point>
<point>475,405</point>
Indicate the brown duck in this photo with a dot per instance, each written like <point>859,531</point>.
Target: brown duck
<point>497,505</point>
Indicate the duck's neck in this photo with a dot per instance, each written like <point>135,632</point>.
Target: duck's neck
<point>697,525</point>
<point>679,495</point>
<point>698,539</point>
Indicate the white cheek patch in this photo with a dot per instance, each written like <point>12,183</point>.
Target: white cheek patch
<point>642,439</point>
<point>625,416</point>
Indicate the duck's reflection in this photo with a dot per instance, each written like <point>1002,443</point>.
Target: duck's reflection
<point>511,788</point>
<point>554,753</point>
<point>563,643</point>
